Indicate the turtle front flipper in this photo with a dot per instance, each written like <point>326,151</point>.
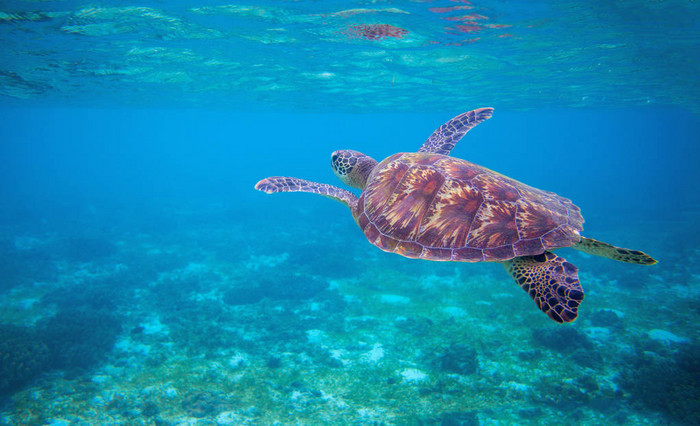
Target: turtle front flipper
<point>599,248</point>
<point>551,281</point>
<point>292,184</point>
<point>446,136</point>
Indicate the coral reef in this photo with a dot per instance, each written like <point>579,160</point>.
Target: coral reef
<point>95,293</point>
<point>460,359</point>
<point>244,294</point>
<point>205,404</point>
<point>87,249</point>
<point>201,327</point>
<point>174,293</point>
<point>562,339</point>
<point>455,418</point>
<point>633,279</point>
<point>22,357</point>
<point>274,285</point>
<point>568,341</point>
<point>24,267</point>
<point>607,318</point>
<point>336,260</point>
<point>150,409</point>
<point>79,339</point>
<point>668,386</point>
<point>226,330</point>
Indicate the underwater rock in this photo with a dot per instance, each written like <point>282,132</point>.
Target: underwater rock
<point>412,375</point>
<point>320,355</point>
<point>333,262</point>
<point>688,359</point>
<point>316,336</point>
<point>22,357</point>
<point>587,383</point>
<point>228,418</point>
<point>238,360</point>
<point>294,287</point>
<point>150,409</point>
<point>57,422</point>
<point>273,362</point>
<point>373,355</point>
<point>87,249</point>
<point>567,395</point>
<point>456,312</point>
<point>669,386</point>
<point>562,339</point>
<point>462,418</point>
<point>24,267</point>
<point>174,293</point>
<point>93,295</point>
<point>79,338</point>
<point>419,326</point>
<point>460,359</point>
<point>620,418</point>
<point>633,279</point>
<point>530,412</point>
<point>607,318</point>
<point>394,299</point>
<point>205,404</point>
<point>277,286</point>
<point>297,389</point>
<point>198,326</point>
<point>243,295</point>
<point>666,337</point>
<point>150,266</point>
<point>588,358</point>
<point>597,333</point>
<point>529,355</point>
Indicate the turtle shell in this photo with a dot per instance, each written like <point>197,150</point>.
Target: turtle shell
<point>432,206</point>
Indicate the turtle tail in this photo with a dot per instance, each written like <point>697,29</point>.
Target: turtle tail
<point>598,248</point>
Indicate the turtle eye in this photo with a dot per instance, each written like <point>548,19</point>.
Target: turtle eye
<point>334,158</point>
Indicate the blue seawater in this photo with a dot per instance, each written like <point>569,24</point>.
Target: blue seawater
<point>143,280</point>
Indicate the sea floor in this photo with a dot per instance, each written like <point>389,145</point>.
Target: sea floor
<point>214,317</point>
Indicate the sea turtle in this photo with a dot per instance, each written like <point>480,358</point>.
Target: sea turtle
<point>428,205</point>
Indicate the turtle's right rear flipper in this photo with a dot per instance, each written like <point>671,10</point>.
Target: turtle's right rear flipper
<point>551,281</point>
<point>598,248</point>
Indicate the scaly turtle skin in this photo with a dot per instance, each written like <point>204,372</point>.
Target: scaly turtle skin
<point>428,205</point>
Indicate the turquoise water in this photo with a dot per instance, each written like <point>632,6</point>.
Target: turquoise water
<point>143,280</point>
<point>307,55</point>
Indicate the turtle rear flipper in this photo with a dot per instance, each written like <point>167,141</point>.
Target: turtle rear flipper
<point>598,248</point>
<point>291,184</point>
<point>551,281</point>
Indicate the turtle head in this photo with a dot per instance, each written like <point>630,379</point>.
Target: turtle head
<point>352,167</point>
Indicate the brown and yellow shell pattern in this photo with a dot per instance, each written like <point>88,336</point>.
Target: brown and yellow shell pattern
<point>432,206</point>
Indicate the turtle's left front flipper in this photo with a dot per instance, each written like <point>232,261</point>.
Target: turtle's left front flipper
<point>551,281</point>
<point>291,184</point>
